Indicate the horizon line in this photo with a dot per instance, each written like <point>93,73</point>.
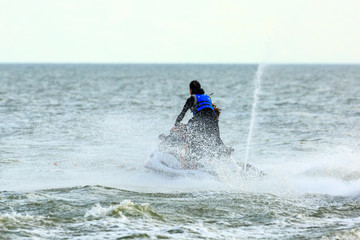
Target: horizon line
<point>189,63</point>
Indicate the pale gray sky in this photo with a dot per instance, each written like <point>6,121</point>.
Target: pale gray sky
<point>180,31</point>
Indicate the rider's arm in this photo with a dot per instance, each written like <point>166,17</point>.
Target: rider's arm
<point>187,106</point>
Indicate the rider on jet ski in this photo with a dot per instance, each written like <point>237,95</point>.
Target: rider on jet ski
<point>201,134</point>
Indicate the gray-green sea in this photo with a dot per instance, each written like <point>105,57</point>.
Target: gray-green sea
<point>74,139</point>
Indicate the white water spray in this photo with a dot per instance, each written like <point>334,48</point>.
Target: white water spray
<point>257,81</point>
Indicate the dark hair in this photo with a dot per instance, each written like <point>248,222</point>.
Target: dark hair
<point>195,86</point>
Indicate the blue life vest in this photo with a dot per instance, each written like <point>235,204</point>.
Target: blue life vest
<point>202,101</point>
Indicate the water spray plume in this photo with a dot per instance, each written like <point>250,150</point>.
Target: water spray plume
<point>257,82</point>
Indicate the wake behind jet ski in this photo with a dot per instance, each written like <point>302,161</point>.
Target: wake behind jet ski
<point>172,159</point>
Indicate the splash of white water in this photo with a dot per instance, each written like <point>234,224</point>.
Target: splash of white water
<point>257,82</point>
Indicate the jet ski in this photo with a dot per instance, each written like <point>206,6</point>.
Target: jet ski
<point>172,158</point>
<point>168,165</point>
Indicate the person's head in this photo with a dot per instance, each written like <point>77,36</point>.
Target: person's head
<point>195,87</point>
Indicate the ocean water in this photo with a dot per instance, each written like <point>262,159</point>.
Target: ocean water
<point>74,138</point>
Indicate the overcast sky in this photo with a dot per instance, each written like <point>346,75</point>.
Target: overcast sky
<point>180,31</point>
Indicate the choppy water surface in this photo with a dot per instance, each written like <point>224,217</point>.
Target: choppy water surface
<point>73,140</point>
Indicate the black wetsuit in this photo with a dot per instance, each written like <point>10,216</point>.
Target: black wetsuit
<point>203,128</point>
